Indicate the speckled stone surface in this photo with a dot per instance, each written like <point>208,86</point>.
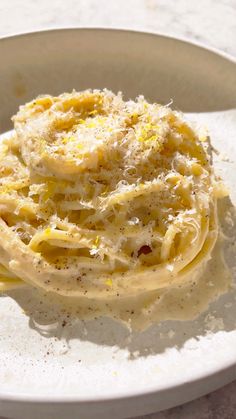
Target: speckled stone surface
<point>210,22</point>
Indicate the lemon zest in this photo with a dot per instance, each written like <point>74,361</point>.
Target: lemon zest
<point>50,189</point>
<point>109,282</point>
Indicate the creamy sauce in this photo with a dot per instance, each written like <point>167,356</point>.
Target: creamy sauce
<point>184,302</point>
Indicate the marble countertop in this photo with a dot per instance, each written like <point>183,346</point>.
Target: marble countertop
<point>210,22</point>
<point>207,21</point>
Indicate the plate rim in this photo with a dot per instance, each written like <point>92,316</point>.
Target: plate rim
<point>143,32</point>
<point>148,391</point>
<point>152,390</point>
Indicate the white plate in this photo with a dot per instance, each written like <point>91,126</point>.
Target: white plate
<point>98,369</point>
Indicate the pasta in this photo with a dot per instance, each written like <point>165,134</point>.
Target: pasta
<point>101,197</point>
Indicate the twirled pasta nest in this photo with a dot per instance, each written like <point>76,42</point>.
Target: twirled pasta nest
<point>104,198</point>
